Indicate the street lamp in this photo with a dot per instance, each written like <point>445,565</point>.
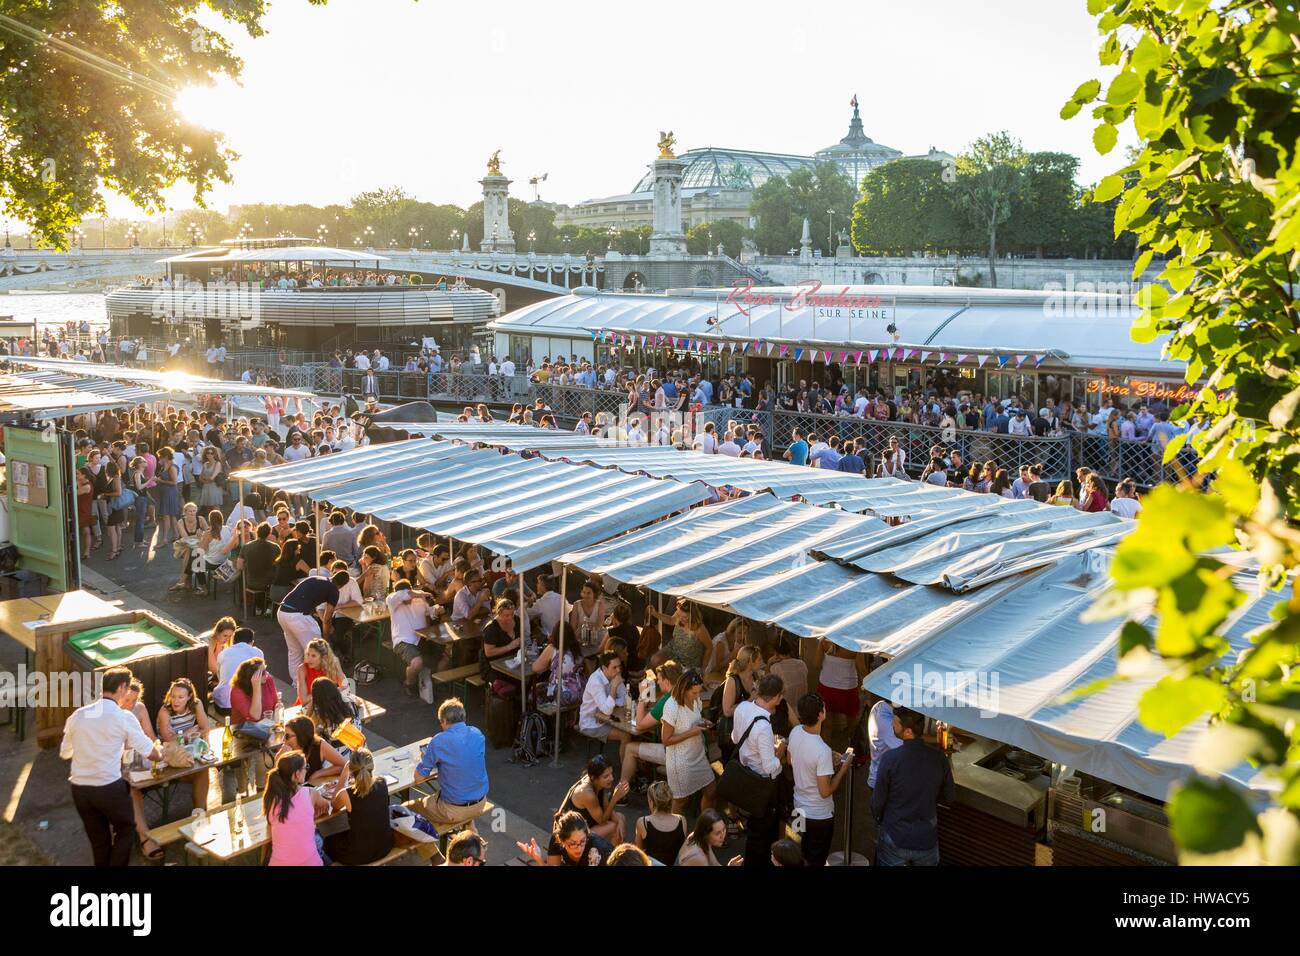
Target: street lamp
<point>830,232</point>
<point>369,234</point>
<point>195,234</point>
<point>322,233</point>
<point>454,238</point>
<point>532,238</point>
<point>414,234</point>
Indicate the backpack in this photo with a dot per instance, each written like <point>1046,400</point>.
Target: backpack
<point>533,743</point>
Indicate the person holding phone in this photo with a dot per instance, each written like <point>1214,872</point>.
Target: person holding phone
<point>683,730</point>
<point>816,779</point>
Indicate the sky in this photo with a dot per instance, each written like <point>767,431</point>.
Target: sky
<point>360,94</point>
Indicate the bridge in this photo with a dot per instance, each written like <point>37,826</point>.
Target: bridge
<point>545,274</point>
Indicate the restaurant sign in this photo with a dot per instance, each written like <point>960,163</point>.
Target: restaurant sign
<point>1145,388</point>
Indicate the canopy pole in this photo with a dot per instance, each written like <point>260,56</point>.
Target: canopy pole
<point>523,647</point>
<point>559,686</point>
<point>243,580</point>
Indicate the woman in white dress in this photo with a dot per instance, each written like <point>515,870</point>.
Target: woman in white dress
<point>686,757</point>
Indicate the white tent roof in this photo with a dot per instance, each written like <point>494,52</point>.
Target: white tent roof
<point>45,395</point>
<point>1078,330</point>
<point>211,256</point>
<point>1007,668</point>
<point>528,510</point>
<point>168,382</point>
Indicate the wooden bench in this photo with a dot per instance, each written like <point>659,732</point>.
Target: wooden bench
<point>467,676</point>
<point>166,834</point>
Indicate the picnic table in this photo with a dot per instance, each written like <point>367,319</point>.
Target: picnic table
<point>219,838</point>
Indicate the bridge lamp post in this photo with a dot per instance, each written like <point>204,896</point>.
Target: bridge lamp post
<point>322,233</point>
<point>369,234</point>
<point>532,239</point>
<point>830,233</point>
<point>415,237</point>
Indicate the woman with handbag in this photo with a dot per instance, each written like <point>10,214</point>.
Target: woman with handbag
<point>136,481</point>
<point>193,528</point>
<point>167,478</point>
<point>683,730</point>
<point>180,720</point>
<point>117,505</point>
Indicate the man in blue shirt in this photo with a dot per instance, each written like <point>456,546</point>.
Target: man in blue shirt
<point>457,755</point>
<point>797,453</point>
<point>911,781</point>
<point>851,461</point>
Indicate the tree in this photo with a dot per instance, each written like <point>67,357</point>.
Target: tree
<point>1042,214</point>
<point>704,238</point>
<point>1210,94</point>
<point>989,180</point>
<point>86,104</point>
<point>905,206</point>
<point>781,204</point>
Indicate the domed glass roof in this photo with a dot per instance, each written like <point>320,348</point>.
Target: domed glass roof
<point>712,167</point>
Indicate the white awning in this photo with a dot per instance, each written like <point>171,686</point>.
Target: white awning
<point>1007,670</point>
<point>169,382</point>
<point>528,510</point>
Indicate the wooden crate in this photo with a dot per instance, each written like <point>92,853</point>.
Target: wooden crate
<point>157,673</point>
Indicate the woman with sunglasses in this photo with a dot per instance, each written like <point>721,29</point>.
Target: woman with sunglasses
<point>572,844</point>
<point>683,729</point>
<point>210,493</point>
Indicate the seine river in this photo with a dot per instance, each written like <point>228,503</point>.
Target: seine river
<point>56,308</point>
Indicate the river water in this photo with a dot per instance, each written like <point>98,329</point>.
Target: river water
<point>56,308</point>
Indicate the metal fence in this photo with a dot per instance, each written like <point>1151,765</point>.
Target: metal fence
<point>569,402</point>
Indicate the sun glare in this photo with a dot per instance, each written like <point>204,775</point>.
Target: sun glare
<point>201,106</point>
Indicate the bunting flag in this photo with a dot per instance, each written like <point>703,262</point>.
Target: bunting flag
<point>1002,360</point>
<point>871,356</point>
<point>1020,360</point>
<point>843,357</point>
<point>798,354</point>
<point>982,360</point>
<point>899,354</point>
<point>961,358</point>
<point>784,349</point>
<point>924,356</point>
<point>1038,359</point>
<point>857,358</point>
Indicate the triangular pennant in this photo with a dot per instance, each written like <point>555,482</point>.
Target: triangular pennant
<point>924,356</point>
<point>1002,360</point>
<point>798,354</point>
<point>1020,360</point>
<point>962,358</point>
<point>843,357</point>
<point>1038,359</point>
<point>784,349</point>
<point>857,358</point>
<point>871,356</point>
<point>983,359</point>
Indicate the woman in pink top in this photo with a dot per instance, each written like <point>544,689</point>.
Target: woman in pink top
<point>290,810</point>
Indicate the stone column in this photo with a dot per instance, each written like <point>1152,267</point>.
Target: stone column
<point>666,238</point>
<point>497,236</point>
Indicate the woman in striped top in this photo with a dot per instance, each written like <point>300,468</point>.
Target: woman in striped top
<point>181,718</point>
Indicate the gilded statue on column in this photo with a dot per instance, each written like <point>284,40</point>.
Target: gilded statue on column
<point>666,143</point>
<point>494,164</point>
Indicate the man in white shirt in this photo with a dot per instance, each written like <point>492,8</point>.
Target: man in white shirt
<point>1020,486</point>
<point>707,440</point>
<point>604,691</point>
<point>508,367</point>
<point>760,751</point>
<point>94,737</point>
<point>1125,503</point>
<point>815,779</point>
<point>549,607</point>
<point>861,404</point>
<point>729,446</point>
<point>241,649</point>
<point>493,368</point>
<point>880,731</point>
<point>381,361</point>
<point>408,614</point>
<point>297,449</point>
<point>472,601</point>
<point>1020,424</point>
<point>362,362</point>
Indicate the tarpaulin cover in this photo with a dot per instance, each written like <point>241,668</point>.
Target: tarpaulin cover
<point>528,510</point>
<point>1006,672</point>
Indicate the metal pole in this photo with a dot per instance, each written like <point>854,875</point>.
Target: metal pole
<point>559,685</point>
<point>523,658</point>
<point>243,581</point>
<point>848,819</point>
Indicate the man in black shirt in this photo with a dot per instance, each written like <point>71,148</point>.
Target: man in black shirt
<point>297,615</point>
<point>911,781</point>
<point>259,558</point>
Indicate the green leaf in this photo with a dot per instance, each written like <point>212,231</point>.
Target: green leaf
<point>1143,261</point>
<point>1132,635</point>
<point>1172,704</point>
<point>1087,91</point>
<point>1104,138</point>
<point>1123,89</point>
<point>1210,817</point>
<point>1238,487</point>
<point>1108,189</point>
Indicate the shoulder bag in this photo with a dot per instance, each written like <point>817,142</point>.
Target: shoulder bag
<point>741,786</point>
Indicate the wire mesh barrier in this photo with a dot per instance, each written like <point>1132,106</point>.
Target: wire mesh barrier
<point>1009,451</point>
<point>569,402</point>
<point>722,415</point>
<point>1116,459</point>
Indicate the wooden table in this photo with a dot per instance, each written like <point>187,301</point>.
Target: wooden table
<point>506,665</point>
<point>620,719</point>
<point>242,750</point>
<point>218,836</point>
<point>368,619</point>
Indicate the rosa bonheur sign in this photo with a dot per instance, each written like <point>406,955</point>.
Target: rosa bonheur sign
<point>837,304</point>
<point>1145,388</point>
